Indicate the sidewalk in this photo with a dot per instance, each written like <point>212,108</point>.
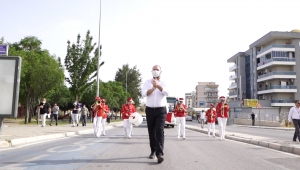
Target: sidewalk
<point>281,145</point>
<point>14,133</point>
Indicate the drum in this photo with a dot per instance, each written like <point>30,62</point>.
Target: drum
<point>169,117</point>
<point>136,119</point>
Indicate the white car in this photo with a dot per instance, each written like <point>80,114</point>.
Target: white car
<point>188,118</point>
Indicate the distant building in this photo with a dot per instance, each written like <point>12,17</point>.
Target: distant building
<point>206,93</point>
<point>190,100</point>
<point>267,71</point>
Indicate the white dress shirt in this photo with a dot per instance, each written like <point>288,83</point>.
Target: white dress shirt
<point>157,98</point>
<point>202,115</point>
<point>294,113</point>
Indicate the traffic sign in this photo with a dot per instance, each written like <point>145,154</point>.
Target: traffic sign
<point>3,50</point>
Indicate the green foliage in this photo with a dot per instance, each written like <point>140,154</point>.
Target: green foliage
<point>1,40</point>
<point>134,81</point>
<point>40,71</point>
<point>60,95</point>
<point>112,91</point>
<point>82,67</point>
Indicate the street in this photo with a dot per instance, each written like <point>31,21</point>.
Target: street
<point>259,133</point>
<point>114,152</point>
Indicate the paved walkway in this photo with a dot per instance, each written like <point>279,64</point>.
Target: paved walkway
<point>14,133</point>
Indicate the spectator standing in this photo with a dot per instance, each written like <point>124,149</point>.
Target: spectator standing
<point>44,110</point>
<point>84,113</point>
<point>54,114</point>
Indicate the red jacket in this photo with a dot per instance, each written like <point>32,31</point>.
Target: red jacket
<point>106,111</point>
<point>211,115</point>
<point>222,109</point>
<point>97,110</point>
<point>127,110</point>
<point>178,112</point>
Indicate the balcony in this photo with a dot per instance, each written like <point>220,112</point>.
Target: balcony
<point>232,68</point>
<point>232,77</point>
<point>275,47</point>
<point>283,102</point>
<point>276,61</point>
<point>233,94</point>
<point>277,89</point>
<point>212,90</point>
<point>233,86</point>
<point>277,75</point>
<point>212,95</point>
<point>212,101</point>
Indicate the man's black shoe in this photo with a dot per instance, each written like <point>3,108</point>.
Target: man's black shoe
<point>152,155</point>
<point>294,141</point>
<point>50,124</point>
<point>160,159</point>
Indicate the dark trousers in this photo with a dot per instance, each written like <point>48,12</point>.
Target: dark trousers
<point>55,116</point>
<point>83,118</point>
<point>297,127</point>
<point>108,119</point>
<point>156,118</point>
<point>253,122</point>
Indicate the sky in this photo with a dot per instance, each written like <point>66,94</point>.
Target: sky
<point>190,39</point>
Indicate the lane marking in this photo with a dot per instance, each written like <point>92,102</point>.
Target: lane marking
<point>17,165</point>
<point>77,148</point>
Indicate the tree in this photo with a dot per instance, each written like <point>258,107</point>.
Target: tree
<point>134,81</point>
<point>82,67</point>
<point>1,40</point>
<point>112,91</point>
<point>60,95</point>
<point>40,72</point>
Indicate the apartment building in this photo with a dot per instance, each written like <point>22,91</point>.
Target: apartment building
<point>206,93</point>
<point>190,100</point>
<point>268,70</point>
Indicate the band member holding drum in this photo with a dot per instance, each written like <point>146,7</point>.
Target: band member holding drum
<point>222,114</point>
<point>127,110</point>
<point>180,112</point>
<point>104,115</point>
<point>97,109</point>
<point>211,119</point>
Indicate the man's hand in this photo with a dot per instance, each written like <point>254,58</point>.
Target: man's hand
<point>290,123</point>
<point>154,83</point>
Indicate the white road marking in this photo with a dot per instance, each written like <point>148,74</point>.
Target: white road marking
<point>17,165</point>
<point>58,148</point>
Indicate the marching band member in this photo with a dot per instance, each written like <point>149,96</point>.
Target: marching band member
<point>97,109</point>
<point>211,119</point>
<point>180,112</point>
<point>222,114</point>
<point>127,110</point>
<point>104,115</point>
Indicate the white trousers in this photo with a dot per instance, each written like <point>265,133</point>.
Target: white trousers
<point>127,127</point>
<point>97,126</point>
<point>79,115</point>
<point>43,116</point>
<point>75,119</point>
<point>222,123</point>
<point>103,123</point>
<point>180,121</point>
<point>211,125</point>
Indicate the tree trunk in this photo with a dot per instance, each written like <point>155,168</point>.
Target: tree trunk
<point>27,108</point>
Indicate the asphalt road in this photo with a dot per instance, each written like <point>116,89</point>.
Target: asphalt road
<point>113,151</point>
<point>261,133</point>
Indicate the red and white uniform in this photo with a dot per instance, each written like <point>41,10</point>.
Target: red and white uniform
<point>180,113</point>
<point>211,119</point>
<point>104,117</point>
<point>127,110</point>
<point>97,118</point>
<point>222,115</point>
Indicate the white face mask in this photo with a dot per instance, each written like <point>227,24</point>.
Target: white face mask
<point>156,73</point>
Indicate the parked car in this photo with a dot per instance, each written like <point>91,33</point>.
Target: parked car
<point>188,117</point>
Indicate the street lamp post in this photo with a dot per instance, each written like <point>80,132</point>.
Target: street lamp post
<point>99,51</point>
<point>126,80</point>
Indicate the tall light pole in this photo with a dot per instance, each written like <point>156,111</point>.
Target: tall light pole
<point>126,80</point>
<point>99,51</point>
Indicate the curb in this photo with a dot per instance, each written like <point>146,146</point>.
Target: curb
<point>266,127</point>
<point>276,146</point>
<point>20,141</point>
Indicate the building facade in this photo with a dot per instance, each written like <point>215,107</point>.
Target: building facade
<point>206,93</point>
<point>268,70</point>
